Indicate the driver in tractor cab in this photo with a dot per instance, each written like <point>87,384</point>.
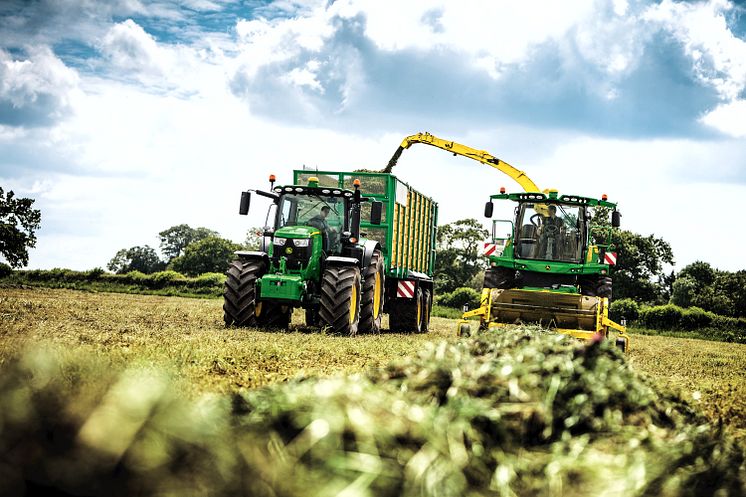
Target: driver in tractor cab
<point>319,221</point>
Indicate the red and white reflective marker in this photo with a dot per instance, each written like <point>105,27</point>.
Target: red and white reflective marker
<point>405,289</point>
<point>489,248</point>
<point>610,258</point>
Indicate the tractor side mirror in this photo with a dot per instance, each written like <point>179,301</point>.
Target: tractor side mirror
<point>616,219</point>
<point>488,208</point>
<point>376,211</point>
<point>245,201</point>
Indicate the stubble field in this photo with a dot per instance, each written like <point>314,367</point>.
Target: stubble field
<point>187,337</point>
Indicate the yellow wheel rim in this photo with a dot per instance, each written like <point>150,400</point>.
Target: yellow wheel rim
<point>258,309</point>
<point>353,304</point>
<point>377,296</point>
<point>419,311</point>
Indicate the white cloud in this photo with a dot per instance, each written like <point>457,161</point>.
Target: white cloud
<point>717,55</point>
<point>40,83</point>
<point>728,118</point>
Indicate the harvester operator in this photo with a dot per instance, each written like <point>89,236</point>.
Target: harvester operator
<point>550,233</point>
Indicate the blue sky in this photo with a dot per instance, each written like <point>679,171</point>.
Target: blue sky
<point>123,118</point>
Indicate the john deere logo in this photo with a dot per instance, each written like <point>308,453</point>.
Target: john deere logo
<point>289,250</point>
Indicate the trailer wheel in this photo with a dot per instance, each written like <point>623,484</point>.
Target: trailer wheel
<point>340,299</point>
<point>427,306</point>
<point>239,293</point>
<point>273,315</point>
<point>406,314</point>
<point>603,287</point>
<point>371,306</point>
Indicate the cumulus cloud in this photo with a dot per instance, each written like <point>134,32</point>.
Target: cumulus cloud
<point>718,56</point>
<point>35,90</point>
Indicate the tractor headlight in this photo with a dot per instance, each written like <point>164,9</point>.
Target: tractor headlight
<point>280,242</point>
<point>301,242</point>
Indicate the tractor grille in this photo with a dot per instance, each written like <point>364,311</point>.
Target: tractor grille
<point>296,256</point>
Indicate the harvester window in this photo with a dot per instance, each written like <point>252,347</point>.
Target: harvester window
<point>549,231</point>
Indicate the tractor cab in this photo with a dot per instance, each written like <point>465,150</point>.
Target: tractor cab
<point>310,224</point>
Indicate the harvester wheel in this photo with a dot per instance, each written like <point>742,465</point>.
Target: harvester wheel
<point>239,293</point>
<point>273,315</point>
<point>427,306</point>
<point>603,287</point>
<point>371,305</point>
<point>621,344</point>
<point>340,299</point>
<point>406,314</point>
<point>499,278</point>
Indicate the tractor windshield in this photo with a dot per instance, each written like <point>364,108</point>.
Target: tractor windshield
<point>324,212</point>
<point>550,231</point>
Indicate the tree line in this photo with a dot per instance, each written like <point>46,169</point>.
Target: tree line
<point>186,250</point>
<point>640,273</point>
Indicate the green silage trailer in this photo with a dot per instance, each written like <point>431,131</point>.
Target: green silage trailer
<point>345,246</point>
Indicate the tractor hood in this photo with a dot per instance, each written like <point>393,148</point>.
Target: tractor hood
<point>297,232</point>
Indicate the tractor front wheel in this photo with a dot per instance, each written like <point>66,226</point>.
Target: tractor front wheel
<point>340,299</point>
<point>239,293</point>
<point>273,315</point>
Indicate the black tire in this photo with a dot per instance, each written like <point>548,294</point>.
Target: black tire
<point>273,315</point>
<point>603,287</point>
<point>239,293</point>
<point>587,285</point>
<point>621,344</point>
<point>499,278</point>
<point>312,317</point>
<point>427,307</point>
<point>371,311</point>
<point>406,314</point>
<point>340,299</point>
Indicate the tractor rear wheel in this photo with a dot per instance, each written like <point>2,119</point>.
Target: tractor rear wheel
<point>340,299</point>
<point>371,305</point>
<point>406,314</point>
<point>239,293</point>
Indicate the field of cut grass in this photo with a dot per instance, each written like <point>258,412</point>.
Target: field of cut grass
<point>187,337</point>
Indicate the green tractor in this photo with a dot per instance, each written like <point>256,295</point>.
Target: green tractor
<point>313,255</point>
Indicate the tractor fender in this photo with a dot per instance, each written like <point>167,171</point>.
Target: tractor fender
<point>368,249</point>
<point>336,260</point>
<point>246,255</point>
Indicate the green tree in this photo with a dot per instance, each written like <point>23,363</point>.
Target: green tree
<point>458,257</point>
<point>209,255</point>
<point>176,239</point>
<point>18,224</point>
<point>701,272</point>
<point>253,238</point>
<point>639,271</point>
<point>144,259</point>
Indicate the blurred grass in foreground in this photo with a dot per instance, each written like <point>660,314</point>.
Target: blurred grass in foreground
<point>519,412</point>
